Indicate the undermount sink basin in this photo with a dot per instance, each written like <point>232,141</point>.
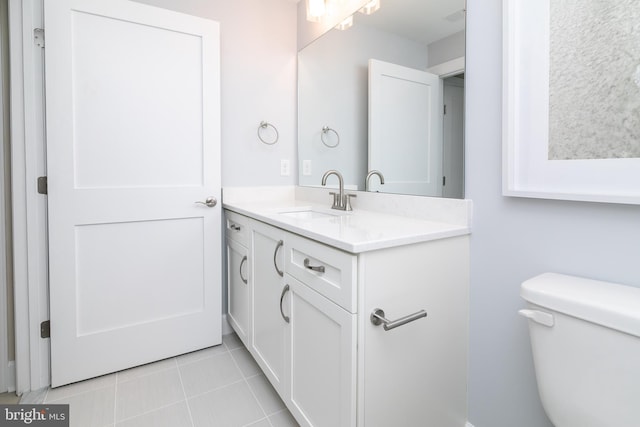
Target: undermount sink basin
<point>307,214</point>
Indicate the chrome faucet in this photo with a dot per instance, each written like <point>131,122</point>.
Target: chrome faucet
<point>341,201</point>
<point>369,175</point>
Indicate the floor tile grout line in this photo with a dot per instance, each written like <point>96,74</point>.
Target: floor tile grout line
<point>175,365</point>
<point>203,358</point>
<point>244,377</point>
<point>177,368</point>
<point>115,401</point>
<point>184,393</point>
<point>215,389</point>
<point>78,393</point>
<point>256,421</point>
<point>62,399</point>
<point>149,411</point>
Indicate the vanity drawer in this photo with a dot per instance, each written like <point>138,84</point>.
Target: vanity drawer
<point>327,270</point>
<point>237,228</point>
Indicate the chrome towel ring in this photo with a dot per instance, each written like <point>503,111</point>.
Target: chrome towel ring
<point>325,132</point>
<point>264,125</point>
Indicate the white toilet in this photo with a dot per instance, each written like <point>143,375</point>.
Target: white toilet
<point>585,337</point>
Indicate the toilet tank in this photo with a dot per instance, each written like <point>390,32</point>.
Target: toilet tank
<point>585,338</point>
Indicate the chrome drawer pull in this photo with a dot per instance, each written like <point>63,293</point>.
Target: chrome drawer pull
<point>235,227</point>
<point>377,318</point>
<point>275,255</point>
<point>284,291</point>
<point>244,259</point>
<point>319,269</point>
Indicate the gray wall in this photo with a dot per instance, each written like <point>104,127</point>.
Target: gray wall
<point>446,49</point>
<point>333,91</point>
<point>515,238</point>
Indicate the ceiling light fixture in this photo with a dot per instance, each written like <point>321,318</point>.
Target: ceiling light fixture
<point>316,10</point>
<point>370,7</point>
<point>346,24</point>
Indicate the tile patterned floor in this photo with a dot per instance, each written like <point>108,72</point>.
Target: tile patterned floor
<point>217,387</point>
<point>8,399</point>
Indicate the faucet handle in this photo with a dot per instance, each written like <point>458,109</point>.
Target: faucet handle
<point>347,201</point>
<point>336,200</point>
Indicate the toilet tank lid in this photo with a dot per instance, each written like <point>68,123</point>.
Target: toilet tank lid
<point>607,304</point>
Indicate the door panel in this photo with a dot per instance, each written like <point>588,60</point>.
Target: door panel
<point>323,359</point>
<point>405,129</point>
<point>269,328</point>
<point>132,98</point>
<point>239,278</point>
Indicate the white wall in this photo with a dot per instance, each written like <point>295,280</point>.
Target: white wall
<point>515,238</point>
<point>258,73</point>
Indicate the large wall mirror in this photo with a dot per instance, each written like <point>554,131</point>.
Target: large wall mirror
<point>387,94</point>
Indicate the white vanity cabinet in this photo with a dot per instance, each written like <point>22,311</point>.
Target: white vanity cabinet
<point>322,332</point>
<point>269,342</point>
<point>313,334</point>
<point>238,270</point>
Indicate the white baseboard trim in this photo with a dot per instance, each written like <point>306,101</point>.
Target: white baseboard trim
<point>227,329</point>
<point>11,376</point>
<point>468,424</point>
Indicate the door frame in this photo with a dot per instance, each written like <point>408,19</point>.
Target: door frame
<point>5,384</point>
<point>28,207</point>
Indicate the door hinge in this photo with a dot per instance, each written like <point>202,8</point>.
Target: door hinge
<point>45,329</point>
<point>444,181</point>
<point>38,37</point>
<point>445,109</point>
<point>42,185</point>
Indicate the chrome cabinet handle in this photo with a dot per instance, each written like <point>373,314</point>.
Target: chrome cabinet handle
<point>209,202</point>
<point>234,227</point>
<point>275,261</point>
<point>319,269</point>
<point>244,259</point>
<point>377,318</point>
<point>284,291</point>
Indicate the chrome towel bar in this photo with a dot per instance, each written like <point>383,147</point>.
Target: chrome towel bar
<point>377,318</point>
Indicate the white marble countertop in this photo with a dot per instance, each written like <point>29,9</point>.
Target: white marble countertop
<point>356,231</point>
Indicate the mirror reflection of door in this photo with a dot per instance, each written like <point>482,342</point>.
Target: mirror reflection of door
<point>405,129</point>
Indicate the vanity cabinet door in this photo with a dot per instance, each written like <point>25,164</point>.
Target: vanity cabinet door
<point>238,276</point>
<point>323,359</point>
<point>268,343</point>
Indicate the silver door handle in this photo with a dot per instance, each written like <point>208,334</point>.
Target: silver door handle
<point>284,291</point>
<point>244,260</point>
<point>209,202</point>
<point>377,318</point>
<point>275,258</point>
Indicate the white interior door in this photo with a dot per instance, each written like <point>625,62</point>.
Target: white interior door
<point>132,101</point>
<point>405,129</point>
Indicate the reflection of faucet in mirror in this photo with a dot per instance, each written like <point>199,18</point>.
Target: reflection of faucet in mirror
<point>341,201</point>
<point>369,175</point>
